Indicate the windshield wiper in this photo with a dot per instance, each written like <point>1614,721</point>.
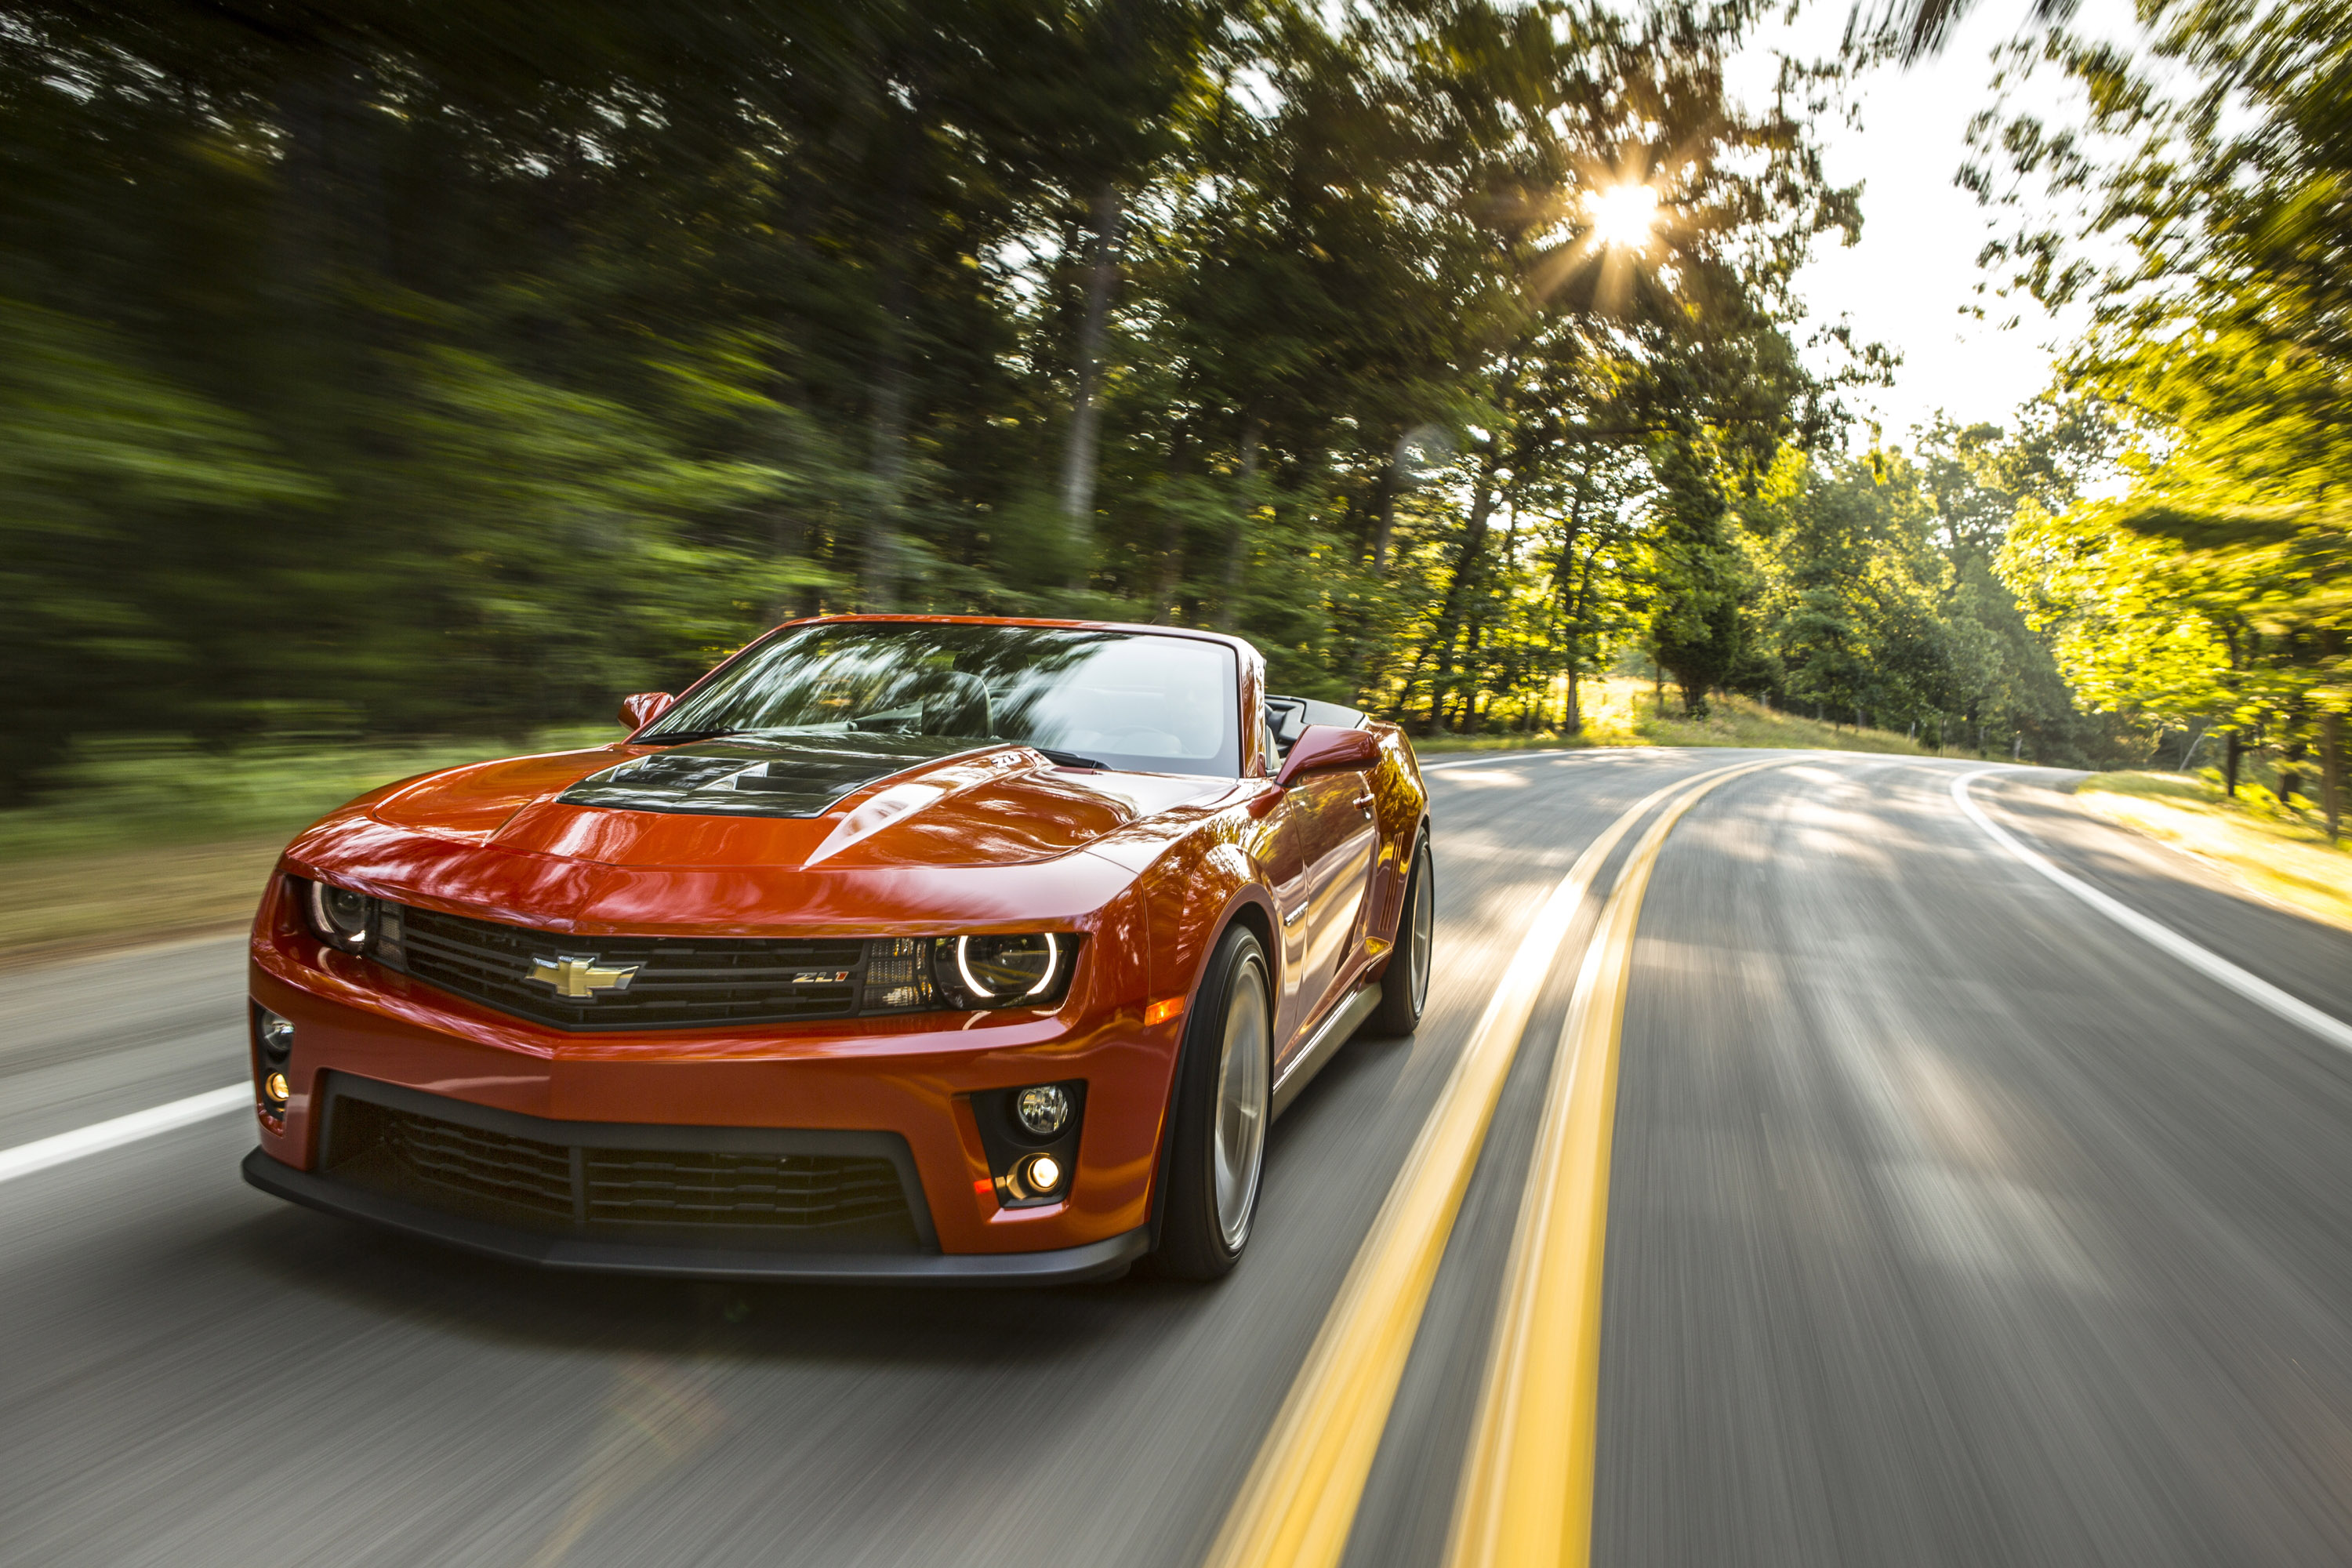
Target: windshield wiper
<point>1066,759</point>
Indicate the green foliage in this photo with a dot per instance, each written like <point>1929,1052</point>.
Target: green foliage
<point>412,371</point>
<point>1873,597</point>
<point>162,792</point>
<point>2214,587</point>
<point>110,475</point>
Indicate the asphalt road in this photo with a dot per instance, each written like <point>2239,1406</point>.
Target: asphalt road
<point>1950,1223</point>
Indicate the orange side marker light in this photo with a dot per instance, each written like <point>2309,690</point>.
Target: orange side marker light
<point>1161,1011</point>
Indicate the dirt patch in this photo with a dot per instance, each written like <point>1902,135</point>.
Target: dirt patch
<point>68,905</point>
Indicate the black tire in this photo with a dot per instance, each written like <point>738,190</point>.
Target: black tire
<point>1404,988</point>
<point>1228,1055</point>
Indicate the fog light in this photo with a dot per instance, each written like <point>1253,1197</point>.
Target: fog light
<point>276,1089</point>
<point>274,1034</point>
<point>1044,1110</point>
<point>1044,1174</point>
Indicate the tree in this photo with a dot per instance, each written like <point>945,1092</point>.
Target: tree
<point>2222,348</point>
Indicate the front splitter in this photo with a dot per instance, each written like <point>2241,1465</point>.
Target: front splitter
<point>1064,1266</point>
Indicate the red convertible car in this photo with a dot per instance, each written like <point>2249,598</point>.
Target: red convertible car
<point>898,948</point>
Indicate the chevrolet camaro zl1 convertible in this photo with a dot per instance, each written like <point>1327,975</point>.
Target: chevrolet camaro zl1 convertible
<point>898,948</point>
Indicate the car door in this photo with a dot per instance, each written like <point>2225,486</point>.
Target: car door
<point>1337,835</point>
<point>1285,860</point>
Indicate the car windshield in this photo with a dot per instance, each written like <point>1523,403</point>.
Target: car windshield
<point>1103,699</point>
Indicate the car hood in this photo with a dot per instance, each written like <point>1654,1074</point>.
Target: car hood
<point>739,834</point>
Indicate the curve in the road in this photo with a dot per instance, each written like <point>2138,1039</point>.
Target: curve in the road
<point>2206,962</point>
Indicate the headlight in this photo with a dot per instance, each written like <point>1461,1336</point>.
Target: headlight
<point>1006,968</point>
<point>339,917</point>
<point>1024,969</point>
<point>353,921</point>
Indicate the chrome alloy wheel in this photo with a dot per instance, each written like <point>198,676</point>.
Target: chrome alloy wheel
<point>1421,933</point>
<point>1242,1073</point>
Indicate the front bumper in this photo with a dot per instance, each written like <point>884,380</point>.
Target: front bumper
<point>911,1082</point>
<point>1063,1266</point>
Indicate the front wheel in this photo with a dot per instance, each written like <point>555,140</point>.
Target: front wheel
<point>1222,1111</point>
<point>1404,988</point>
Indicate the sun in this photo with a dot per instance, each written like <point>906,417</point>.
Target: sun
<point>1623,215</point>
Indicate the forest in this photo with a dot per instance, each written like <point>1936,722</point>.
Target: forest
<point>378,369</point>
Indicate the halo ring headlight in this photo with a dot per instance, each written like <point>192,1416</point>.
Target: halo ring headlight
<point>1004,968</point>
<point>340,916</point>
<point>963,969</point>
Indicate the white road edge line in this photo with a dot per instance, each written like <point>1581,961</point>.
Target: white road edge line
<point>2212,966</point>
<point>39,1156</point>
<point>1489,761</point>
<point>1555,754</point>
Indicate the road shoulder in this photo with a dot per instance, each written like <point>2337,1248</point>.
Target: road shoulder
<point>2282,943</point>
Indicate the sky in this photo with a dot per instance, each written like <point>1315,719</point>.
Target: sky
<point>1907,282</point>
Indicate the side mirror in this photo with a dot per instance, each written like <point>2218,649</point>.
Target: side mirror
<point>643,708</point>
<point>1321,746</point>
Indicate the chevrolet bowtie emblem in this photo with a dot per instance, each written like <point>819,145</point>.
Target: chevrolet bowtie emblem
<point>581,977</point>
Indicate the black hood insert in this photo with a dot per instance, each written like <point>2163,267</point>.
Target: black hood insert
<point>760,776</point>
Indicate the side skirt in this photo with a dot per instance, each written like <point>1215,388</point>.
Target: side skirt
<point>1337,1027</point>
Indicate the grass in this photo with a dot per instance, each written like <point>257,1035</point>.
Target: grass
<point>153,839</point>
<point>2269,849</point>
<point>1623,713</point>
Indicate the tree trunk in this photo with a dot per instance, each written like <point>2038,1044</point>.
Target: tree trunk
<point>787,540</point>
<point>1229,611</point>
<point>893,392</point>
<point>2331,770</point>
<point>1573,722</point>
<point>887,463</point>
<point>2291,755</point>
<point>2233,748</point>
<point>1474,546</point>
<point>1468,715</point>
<point>1172,534</point>
<point>1384,518</point>
<point>1085,414</point>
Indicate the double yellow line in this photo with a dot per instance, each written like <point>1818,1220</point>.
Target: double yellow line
<point>1527,1494</point>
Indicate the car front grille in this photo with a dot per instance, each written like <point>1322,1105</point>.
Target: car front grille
<point>830,1201</point>
<point>655,983</point>
<point>638,1188</point>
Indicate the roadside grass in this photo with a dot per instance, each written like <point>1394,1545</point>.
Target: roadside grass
<point>2253,841</point>
<point>1740,721</point>
<point>1621,712</point>
<point>60,906</point>
<point>155,839</point>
